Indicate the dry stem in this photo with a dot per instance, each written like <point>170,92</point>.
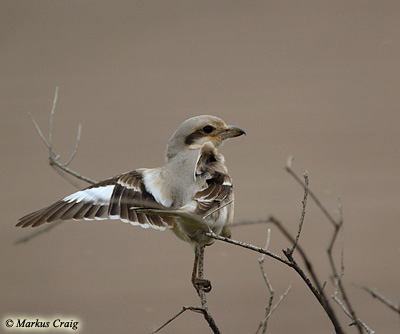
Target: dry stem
<point>381,298</point>
<point>269,309</point>
<point>53,157</point>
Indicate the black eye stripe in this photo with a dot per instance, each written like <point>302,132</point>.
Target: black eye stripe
<point>189,140</point>
<point>208,129</point>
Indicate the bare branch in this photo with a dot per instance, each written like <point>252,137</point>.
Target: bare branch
<point>381,298</point>
<point>78,139</point>
<point>53,157</point>
<point>269,308</point>
<point>323,299</point>
<point>248,246</point>
<point>202,294</point>
<point>39,131</point>
<point>184,308</point>
<point>338,276</point>
<point>53,109</point>
<point>302,216</point>
<point>318,289</point>
<point>261,261</point>
<point>355,321</point>
<point>293,264</point>
<point>305,186</point>
<point>263,324</point>
<point>281,298</point>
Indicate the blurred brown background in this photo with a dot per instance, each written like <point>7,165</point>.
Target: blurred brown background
<point>319,80</point>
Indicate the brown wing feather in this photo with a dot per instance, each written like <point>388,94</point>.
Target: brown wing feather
<point>130,192</point>
<point>112,198</point>
<point>218,188</point>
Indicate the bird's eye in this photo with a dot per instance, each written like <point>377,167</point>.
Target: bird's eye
<point>208,129</point>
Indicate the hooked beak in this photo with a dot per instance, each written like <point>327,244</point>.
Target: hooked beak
<point>231,132</point>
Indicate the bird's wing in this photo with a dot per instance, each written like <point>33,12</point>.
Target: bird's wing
<point>114,198</point>
<point>217,192</point>
<point>218,187</point>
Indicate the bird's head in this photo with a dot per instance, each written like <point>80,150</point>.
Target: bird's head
<point>194,132</point>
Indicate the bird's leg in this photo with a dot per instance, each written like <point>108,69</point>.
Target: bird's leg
<point>197,275</point>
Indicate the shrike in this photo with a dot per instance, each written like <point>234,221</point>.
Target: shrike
<point>191,194</point>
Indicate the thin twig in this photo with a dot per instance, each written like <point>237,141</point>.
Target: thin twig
<point>322,298</point>
<point>302,216</point>
<point>261,261</point>
<point>53,109</point>
<point>293,264</point>
<point>184,308</point>
<point>53,157</point>
<point>313,196</point>
<point>38,232</point>
<point>78,139</point>
<point>269,309</point>
<point>354,321</point>
<point>338,276</point>
<point>264,323</point>
<point>248,246</point>
<point>337,227</point>
<point>53,160</point>
<point>381,298</point>
<point>318,289</point>
<point>201,292</point>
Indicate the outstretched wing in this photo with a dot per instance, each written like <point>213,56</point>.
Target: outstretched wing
<point>114,198</point>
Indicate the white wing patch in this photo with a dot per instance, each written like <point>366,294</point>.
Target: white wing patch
<point>100,195</point>
<point>154,186</point>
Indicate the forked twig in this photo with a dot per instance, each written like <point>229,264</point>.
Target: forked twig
<point>269,309</point>
<point>318,289</point>
<point>293,264</point>
<point>355,321</point>
<point>263,323</point>
<point>338,275</point>
<point>337,226</point>
<point>291,249</point>
<point>313,196</point>
<point>248,246</point>
<point>75,151</point>
<point>184,308</point>
<point>53,157</point>
<point>53,161</point>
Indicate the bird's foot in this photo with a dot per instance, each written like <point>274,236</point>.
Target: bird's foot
<point>201,283</point>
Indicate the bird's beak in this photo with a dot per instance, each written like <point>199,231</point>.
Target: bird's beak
<point>231,132</point>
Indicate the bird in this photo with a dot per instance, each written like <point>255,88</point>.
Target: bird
<point>190,195</point>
